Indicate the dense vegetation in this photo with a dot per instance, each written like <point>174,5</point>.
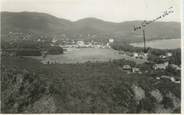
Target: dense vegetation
<point>126,47</point>
<point>28,52</point>
<point>55,50</point>
<point>28,86</point>
<point>29,47</point>
<point>174,59</point>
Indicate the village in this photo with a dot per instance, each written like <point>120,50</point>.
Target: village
<point>68,44</point>
<point>163,65</point>
<point>63,42</point>
<point>82,44</point>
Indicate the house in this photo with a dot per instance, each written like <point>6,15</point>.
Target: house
<point>80,43</point>
<point>111,40</point>
<point>145,54</point>
<point>136,70</point>
<point>135,54</point>
<point>161,66</point>
<point>54,40</point>
<point>162,56</point>
<point>19,78</point>
<point>126,67</point>
<point>89,44</point>
<point>141,55</point>
<point>177,81</point>
<point>168,54</point>
<point>172,79</point>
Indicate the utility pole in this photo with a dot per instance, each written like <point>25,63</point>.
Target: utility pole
<point>143,33</point>
<point>145,24</point>
<point>144,38</point>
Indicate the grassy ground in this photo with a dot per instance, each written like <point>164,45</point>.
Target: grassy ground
<point>82,88</point>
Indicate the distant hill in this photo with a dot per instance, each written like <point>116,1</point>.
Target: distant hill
<point>31,21</point>
<point>88,28</point>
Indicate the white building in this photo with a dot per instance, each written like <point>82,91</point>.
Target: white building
<point>81,43</point>
<point>135,54</point>
<point>136,70</point>
<point>162,56</point>
<point>161,66</point>
<point>54,40</point>
<point>111,40</point>
<point>169,54</point>
<point>126,67</point>
<point>107,45</point>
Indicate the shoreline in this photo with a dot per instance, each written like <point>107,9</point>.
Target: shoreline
<point>159,45</point>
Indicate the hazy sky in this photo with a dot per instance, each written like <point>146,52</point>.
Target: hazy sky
<point>109,10</point>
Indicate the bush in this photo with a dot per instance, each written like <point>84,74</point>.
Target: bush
<point>55,50</point>
<point>28,52</point>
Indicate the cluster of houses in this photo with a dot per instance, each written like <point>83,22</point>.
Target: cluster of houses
<point>161,66</point>
<point>136,55</point>
<point>156,66</point>
<point>140,55</point>
<point>165,64</point>
<point>129,69</point>
<point>83,44</point>
<point>64,43</point>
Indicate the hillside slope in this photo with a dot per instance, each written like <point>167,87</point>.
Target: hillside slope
<point>91,28</point>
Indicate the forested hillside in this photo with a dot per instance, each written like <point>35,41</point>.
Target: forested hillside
<point>88,28</point>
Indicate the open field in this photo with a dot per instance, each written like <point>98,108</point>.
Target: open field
<point>81,55</point>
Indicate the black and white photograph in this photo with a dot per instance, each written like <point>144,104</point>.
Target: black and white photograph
<point>91,56</point>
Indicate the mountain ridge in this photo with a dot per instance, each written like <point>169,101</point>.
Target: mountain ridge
<point>35,12</point>
<point>44,23</point>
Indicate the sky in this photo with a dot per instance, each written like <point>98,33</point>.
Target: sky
<point>108,10</point>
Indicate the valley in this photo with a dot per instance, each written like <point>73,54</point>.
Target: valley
<point>54,65</point>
